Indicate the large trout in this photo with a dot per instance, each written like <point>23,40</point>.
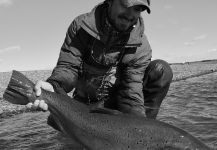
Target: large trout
<point>101,131</point>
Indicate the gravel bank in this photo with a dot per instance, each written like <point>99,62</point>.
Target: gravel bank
<point>181,71</point>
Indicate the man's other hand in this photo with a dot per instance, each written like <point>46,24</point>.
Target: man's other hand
<point>38,103</point>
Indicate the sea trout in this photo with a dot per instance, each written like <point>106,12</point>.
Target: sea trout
<point>103,131</point>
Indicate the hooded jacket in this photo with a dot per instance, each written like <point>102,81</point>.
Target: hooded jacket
<point>91,47</point>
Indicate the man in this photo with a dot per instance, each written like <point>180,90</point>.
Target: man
<point>107,59</point>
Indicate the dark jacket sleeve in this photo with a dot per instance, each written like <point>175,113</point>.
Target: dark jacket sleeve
<point>65,74</point>
<point>130,94</point>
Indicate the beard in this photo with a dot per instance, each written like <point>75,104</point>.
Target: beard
<point>121,23</point>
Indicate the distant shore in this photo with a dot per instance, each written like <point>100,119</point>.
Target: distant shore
<point>181,71</point>
<point>187,70</point>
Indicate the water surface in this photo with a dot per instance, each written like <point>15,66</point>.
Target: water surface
<point>190,105</point>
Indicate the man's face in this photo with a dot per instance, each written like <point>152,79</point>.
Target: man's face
<point>123,17</point>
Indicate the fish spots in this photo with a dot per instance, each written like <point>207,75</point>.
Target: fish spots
<point>104,131</point>
<point>106,121</point>
<point>93,131</point>
<point>139,142</point>
<point>49,95</point>
<point>109,130</point>
<point>138,130</point>
<point>15,80</point>
<point>166,142</point>
<point>20,82</point>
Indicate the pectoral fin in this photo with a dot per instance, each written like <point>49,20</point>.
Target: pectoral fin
<point>105,111</point>
<point>99,108</point>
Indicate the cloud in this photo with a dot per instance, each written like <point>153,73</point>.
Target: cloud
<point>195,40</point>
<point>201,37</point>
<point>12,48</point>
<point>5,2</point>
<point>213,50</point>
<point>190,43</point>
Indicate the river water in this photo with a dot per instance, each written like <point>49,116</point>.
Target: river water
<point>190,104</point>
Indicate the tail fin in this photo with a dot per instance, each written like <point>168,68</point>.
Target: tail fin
<point>19,90</point>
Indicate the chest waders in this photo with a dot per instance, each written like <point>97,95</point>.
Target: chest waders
<point>104,82</point>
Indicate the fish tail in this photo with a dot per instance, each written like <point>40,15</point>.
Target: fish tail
<point>20,89</point>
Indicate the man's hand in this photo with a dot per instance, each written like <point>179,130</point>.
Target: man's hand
<point>40,104</point>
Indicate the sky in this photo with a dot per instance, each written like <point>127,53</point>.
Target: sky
<point>32,31</point>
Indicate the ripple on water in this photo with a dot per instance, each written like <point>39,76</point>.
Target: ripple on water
<point>190,105</point>
<point>30,131</point>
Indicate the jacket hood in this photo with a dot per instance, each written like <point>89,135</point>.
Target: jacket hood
<point>94,23</point>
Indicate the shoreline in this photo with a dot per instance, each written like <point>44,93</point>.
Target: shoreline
<point>193,75</point>
<point>181,71</point>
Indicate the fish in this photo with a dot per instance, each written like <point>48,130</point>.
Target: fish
<point>102,130</point>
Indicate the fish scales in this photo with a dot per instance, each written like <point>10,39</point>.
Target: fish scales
<point>97,131</point>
